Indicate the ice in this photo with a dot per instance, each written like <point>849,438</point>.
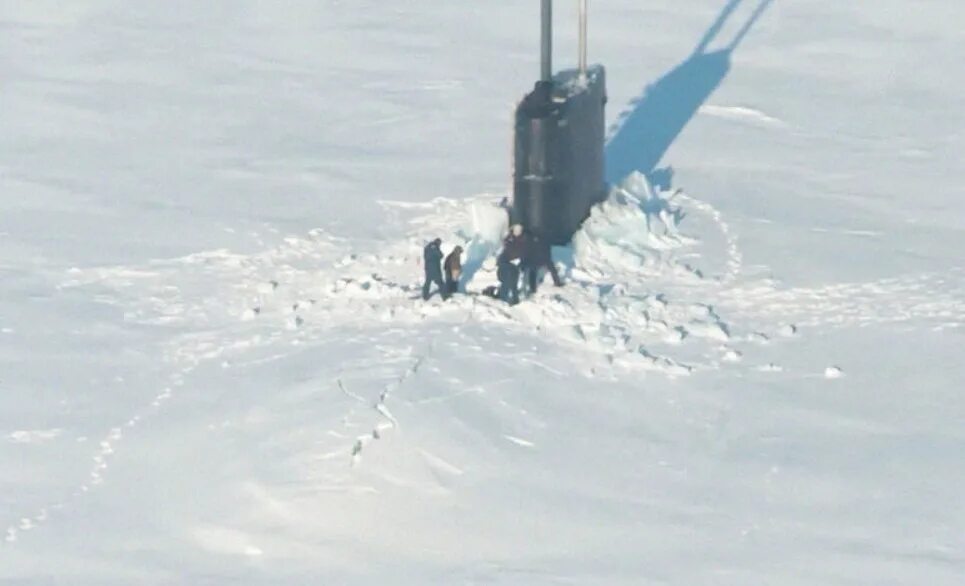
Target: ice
<point>833,372</point>
<point>217,368</point>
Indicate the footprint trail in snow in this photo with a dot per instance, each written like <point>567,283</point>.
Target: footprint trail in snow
<point>654,284</point>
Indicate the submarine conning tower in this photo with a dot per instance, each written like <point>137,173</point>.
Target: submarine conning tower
<point>558,160</point>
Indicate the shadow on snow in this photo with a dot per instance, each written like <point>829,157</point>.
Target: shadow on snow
<point>645,134</point>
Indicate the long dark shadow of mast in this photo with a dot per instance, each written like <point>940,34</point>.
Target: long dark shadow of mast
<point>667,105</point>
<point>714,29</point>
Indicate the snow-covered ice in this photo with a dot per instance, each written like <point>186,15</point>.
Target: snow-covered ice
<point>215,370</point>
<point>833,372</point>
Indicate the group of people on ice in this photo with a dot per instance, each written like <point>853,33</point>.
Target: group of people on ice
<point>523,256</point>
<point>435,267</point>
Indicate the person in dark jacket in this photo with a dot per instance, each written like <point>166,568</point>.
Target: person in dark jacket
<point>453,270</point>
<point>508,208</point>
<point>508,275</point>
<point>432,263</point>
<point>514,245</point>
<point>537,256</point>
<point>539,102</point>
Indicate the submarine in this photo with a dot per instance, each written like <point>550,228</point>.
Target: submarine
<point>558,139</point>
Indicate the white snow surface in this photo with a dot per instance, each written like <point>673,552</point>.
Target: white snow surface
<point>215,370</point>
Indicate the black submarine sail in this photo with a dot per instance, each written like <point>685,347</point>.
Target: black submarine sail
<point>558,160</point>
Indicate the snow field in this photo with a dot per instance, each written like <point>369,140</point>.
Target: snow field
<point>214,370</point>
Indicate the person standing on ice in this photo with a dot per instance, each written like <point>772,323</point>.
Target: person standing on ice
<point>514,245</point>
<point>432,263</point>
<point>508,264</point>
<point>453,269</point>
<point>508,275</point>
<point>538,255</point>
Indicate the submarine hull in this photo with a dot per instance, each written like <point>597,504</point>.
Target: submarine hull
<point>558,171</point>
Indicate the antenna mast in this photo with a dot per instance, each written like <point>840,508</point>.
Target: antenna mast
<point>546,71</point>
<point>582,60</point>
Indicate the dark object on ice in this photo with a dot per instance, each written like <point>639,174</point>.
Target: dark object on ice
<point>453,270</point>
<point>514,245</point>
<point>432,259</point>
<point>491,291</point>
<point>508,207</point>
<point>508,275</point>
<point>538,255</point>
<point>558,171</point>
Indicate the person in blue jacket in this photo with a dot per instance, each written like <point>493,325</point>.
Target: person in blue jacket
<point>508,274</point>
<point>432,263</point>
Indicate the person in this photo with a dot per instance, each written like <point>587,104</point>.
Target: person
<point>514,245</point>
<point>453,270</point>
<point>508,275</point>
<point>539,102</point>
<point>432,263</point>
<point>508,208</point>
<point>538,255</point>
